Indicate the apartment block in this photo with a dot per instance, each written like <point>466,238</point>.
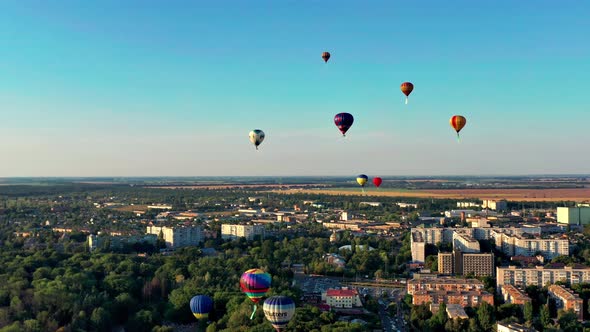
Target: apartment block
<point>478,264</point>
<point>465,243</point>
<point>529,245</point>
<point>443,284</point>
<point>514,295</point>
<point>567,300</point>
<point>463,298</point>
<point>540,276</point>
<point>231,232</point>
<point>178,236</point>
<point>342,298</point>
<point>445,263</point>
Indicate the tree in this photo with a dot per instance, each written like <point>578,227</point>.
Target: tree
<point>100,319</point>
<point>486,316</point>
<point>545,316</point>
<point>568,321</point>
<point>528,313</point>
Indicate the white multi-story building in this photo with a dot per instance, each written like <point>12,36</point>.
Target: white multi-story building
<point>229,231</point>
<point>540,276</point>
<point>342,298</point>
<point>573,215</point>
<point>495,205</point>
<point>178,236</point>
<point>519,245</point>
<point>417,247</point>
<point>465,243</point>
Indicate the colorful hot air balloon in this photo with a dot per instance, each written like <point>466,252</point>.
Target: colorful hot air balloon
<point>458,122</point>
<point>201,306</point>
<point>279,310</point>
<point>377,181</point>
<point>256,137</point>
<point>362,179</point>
<point>407,88</point>
<point>343,121</point>
<point>326,56</point>
<point>255,283</point>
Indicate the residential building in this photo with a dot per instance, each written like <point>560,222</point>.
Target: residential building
<point>432,235</point>
<point>118,242</point>
<point>159,207</point>
<point>232,231</point>
<point>513,327</point>
<point>477,264</point>
<point>567,300</point>
<point>418,247</point>
<point>445,263</point>
<point>342,298</point>
<point>514,295</point>
<point>456,311</point>
<point>529,245</point>
<point>178,236</point>
<point>463,298</point>
<point>495,205</point>
<point>579,215</point>
<point>465,243</point>
<point>460,263</point>
<point>443,284</point>
<point>467,204</point>
<point>540,276</point>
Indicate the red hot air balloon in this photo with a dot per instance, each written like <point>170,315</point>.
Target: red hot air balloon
<point>326,56</point>
<point>343,121</point>
<point>407,88</point>
<point>458,122</point>
<point>377,181</point>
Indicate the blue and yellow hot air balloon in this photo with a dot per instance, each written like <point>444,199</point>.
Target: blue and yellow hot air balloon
<point>279,310</point>
<point>362,179</point>
<point>201,306</point>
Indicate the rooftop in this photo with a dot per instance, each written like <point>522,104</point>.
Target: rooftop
<point>341,292</point>
<point>564,293</point>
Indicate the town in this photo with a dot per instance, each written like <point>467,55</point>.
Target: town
<point>83,252</point>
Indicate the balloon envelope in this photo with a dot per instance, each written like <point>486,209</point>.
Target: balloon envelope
<point>377,181</point>
<point>326,56</point>
<point>458,122</point>
<point>362,179</point>
<point>255,283</point>
<point>343,121</point>
<point>256,137</point>
<point>201,306</point>
<point>279,310</point>
<point>407,88</point>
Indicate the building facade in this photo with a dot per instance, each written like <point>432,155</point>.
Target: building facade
<point>443,284</point>
<point>528,245</point>
<point>540,276</point>
<point>342,298</point>
<point>514,295</point>
<point>178,236</point>
<point>573,215</point>
<point>567,300</point>
<point>465,243</point>
<point>445,263</point>
<point>462,298</point>
<point>232,232</point>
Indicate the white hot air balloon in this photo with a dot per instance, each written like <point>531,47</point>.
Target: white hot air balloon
<point>256,137</point>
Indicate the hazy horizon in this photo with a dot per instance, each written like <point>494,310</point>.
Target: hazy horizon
<point>134,88</point>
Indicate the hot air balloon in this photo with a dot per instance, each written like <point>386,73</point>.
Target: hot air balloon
<point>201,306</point>
<point>362,179</point>
<point>256,137</point>
<point>458,122</point>
<point>407,88</point>
<point>377,181</point>
<point>326,56</point>
<point>279,310</point>
<point>255,283</point>
<point>343,121</point>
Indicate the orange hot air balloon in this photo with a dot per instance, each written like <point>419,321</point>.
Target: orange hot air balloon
<point>458,122</point>
<point>326,56</point>
<point>407,88</point>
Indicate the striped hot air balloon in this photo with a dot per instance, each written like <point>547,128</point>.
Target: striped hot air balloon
<point>362,179</point>
<point>255,283</point>
<point>279,310</point>
<point>201,306</point>
<point>458,122</point>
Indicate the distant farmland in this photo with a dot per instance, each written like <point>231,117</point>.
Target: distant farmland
<point>537,195</point>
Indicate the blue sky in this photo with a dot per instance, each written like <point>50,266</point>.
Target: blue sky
<point>123,88</point>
